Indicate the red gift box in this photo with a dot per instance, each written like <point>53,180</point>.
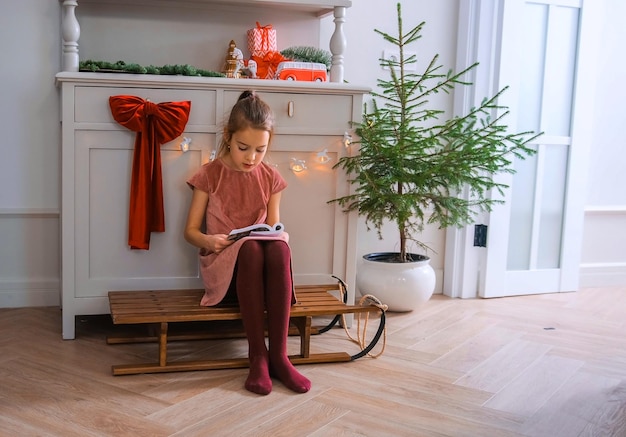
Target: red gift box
<point>267,65</point>
<point>261,40</point>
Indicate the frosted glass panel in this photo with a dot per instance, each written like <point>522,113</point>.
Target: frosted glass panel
<point>532,65</point>
<point>560,67</point>
<point>522,210</point>
<point>551,212</point>
<point>537,204</point>
<point>548,63</point>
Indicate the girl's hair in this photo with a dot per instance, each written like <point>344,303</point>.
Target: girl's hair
<point>249,112</point>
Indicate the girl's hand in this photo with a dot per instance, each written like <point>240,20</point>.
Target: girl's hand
<point>216,243</point>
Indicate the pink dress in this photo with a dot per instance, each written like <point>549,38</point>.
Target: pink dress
<point>236,199</point>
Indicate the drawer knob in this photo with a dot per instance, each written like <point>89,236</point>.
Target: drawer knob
<point>290,108</point>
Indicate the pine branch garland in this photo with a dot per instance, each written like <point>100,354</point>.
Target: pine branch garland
<point>308,54</point>
<point>123,67</point>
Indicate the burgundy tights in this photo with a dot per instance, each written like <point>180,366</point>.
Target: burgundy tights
<point>263,281</point>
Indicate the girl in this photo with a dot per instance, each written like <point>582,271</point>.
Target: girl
<point>236,190</point>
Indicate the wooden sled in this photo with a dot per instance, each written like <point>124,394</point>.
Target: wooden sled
<point>162,307</point>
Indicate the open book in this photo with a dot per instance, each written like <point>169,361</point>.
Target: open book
<point>259,230</point>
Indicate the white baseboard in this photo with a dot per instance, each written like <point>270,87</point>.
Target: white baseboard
<point>29,293</point>
<point>602,275</point>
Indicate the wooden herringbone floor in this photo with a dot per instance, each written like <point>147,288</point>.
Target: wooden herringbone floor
<point>550,365</point>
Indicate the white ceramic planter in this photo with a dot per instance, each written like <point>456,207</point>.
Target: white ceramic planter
<point>401,286</point>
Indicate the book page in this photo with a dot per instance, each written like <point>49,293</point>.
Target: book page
<point>259,229</point>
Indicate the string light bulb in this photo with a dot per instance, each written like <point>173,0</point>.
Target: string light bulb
<point>184,144</point>
<point>347,139</point>
<point>322,157</point>
<point>297,165</point>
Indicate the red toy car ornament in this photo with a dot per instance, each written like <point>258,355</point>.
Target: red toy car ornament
<point>303,71</point>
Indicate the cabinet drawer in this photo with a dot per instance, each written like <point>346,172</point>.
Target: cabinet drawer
<point>91,104</point>
<point>304,113</point>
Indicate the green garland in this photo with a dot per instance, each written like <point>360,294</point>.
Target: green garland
<point>308,54</point>
<point>123,67</point>
<point>295,53</point>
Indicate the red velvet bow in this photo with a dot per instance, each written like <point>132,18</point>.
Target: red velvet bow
<point>155,124</point>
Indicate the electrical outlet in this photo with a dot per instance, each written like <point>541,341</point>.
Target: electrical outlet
<point>394,55</point>
<point>480,235</point>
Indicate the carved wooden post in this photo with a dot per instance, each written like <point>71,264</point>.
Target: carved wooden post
<point>338,45</point>
<point>71,32</point>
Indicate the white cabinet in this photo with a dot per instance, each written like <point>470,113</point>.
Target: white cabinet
<point>97,156</point>
<point>96,164</point>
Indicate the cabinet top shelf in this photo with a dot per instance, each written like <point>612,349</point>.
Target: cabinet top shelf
<point>318,7</point>
<point>160,81</point>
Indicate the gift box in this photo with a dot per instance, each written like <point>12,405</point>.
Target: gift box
<point>261,40</point>
<point>267,64</point>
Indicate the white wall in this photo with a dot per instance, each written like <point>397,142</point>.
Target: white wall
<point>29,168</point>
<point>604,240</point>
<point>30,145</point>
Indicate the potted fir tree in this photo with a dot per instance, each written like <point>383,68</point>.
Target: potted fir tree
<point>412,164</point>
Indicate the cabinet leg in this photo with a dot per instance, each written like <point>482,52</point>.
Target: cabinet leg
<point>338,45</point>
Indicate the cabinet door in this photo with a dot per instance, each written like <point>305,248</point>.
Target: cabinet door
<point>103,259</point>
<point>318,231</point>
